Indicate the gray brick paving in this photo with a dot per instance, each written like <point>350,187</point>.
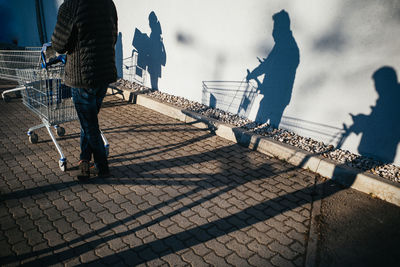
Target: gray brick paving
<point>179,196</point>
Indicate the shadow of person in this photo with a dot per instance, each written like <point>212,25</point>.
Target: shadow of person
<point>151,50</point>
<point>381,128</point>
<point>279,70</point>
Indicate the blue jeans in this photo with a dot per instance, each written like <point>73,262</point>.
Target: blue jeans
<point>87,104</point>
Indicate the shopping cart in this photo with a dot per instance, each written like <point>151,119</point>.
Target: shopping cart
<point>43,90</point>
<point>13,60</point>
<point>236,97</point>
<point>131,71</point>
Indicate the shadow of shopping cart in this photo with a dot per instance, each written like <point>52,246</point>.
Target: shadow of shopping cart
<point>236,97</point>
<point>131,70</point>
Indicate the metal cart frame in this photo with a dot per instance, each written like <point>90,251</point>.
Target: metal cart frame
<point>43,90</point>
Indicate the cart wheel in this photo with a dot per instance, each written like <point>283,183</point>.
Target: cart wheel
<point>107,148</point>
<point>6,98</point>
<point>60,131</point>
<point>33,138</point>
<point>63,165</point>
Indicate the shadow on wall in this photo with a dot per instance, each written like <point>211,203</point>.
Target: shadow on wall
<point>279,70</point>
<point>381,128</point>
<point>119,55</point>
<point>151,50</point>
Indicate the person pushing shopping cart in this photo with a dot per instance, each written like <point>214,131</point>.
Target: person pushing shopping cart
<point>87,32</point>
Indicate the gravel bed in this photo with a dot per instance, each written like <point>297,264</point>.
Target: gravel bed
<point>388,171</point>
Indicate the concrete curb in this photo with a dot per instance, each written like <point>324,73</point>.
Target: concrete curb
<point>362,181</point>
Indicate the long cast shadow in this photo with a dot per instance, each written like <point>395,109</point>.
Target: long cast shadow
<point>208,182</point>
<point>174,243</point>
<point>380,129</point>
<point>224,180</point>
<point>279,70</point>
<point>151,51</point>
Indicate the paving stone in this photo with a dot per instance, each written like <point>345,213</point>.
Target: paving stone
<point>159,231</point>
<point>17,212</point>
<point>219,249</point>
<point>62,226</point>
<point>200,249</point>
<point>299,227</point>
<point>261,249</point>
<point>256,260</point>
<point>261,238</point>
<point>53,238</point>
<point>5,250</point>
<point>101,197</point>
<point>81,227</point>
<point>95,206</point>
<point>14,236</point>
<point>120,229</point>
<point>299,237</point>
<point>71,215</point>
<point>215,260</point>
<point>84,196</point>
<point>35,213</point>
<point>68,195</point>
<point>53,214</point>
<point>122,216</point>
<point>239,248</point>
<point>116,244</point>
<point>280,237</point>
<point>193,259</point>
<point>88,216</point>
<point>277,260</point>
<point>61,204</point>
<point>78,205</point>
<point>174,260</point>
<point>235,260</point>
<point>104,251</point>
<point>106,217</point>
<point>182,221</point>
<point>131,240</point>
<point>112,207</point>
<point>21,248</point>
<point>71,236</point>
<point>25,224</point>
<point>283,250</point>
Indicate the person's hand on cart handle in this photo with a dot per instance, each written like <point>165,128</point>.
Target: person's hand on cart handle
<point>55,57</point>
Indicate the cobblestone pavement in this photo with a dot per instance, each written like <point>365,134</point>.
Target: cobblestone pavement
<point>179,196</point>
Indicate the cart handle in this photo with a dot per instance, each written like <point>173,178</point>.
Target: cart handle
<point>60,58</point>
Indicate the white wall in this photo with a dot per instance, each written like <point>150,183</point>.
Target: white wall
<point>342,43</point>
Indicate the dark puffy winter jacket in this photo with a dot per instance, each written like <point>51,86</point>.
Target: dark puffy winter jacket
<point>87,31</point>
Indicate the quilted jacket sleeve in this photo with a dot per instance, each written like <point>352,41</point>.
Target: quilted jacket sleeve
<point>63,32</point>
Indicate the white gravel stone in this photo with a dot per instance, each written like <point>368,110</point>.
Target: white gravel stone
<point>388,171</point>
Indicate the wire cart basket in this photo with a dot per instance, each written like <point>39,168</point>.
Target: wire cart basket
<point>43,90</point>
<point>13,60</point>
<point>131,70</point>
<point>236,97</point>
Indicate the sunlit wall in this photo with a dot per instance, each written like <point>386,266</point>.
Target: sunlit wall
<point>341,45</point>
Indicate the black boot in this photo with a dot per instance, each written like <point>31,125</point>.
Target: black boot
<point>84,170</point>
